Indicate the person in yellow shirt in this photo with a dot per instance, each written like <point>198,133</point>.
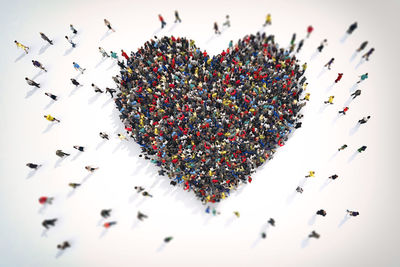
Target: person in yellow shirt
<point>267,20</point>
<point>310,174</point>
<point>51,118</point>
<point>21,46</point>
<point>307,97</point>
<point>330,100</point>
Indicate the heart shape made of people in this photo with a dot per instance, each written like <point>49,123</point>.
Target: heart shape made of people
<point>209,121</point>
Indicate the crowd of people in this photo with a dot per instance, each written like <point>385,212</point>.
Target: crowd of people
<point>206,121</point>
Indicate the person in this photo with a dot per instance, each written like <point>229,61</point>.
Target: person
<point>330,100</point>
<point>310,174</point>
<point>321,212</point>
<point>163,23</point>
<point>362,46</point>
<point>322,45</point>
<point>271,221</point>
<point>19,45</point>
<point>54,97</point>
<point>122,137</point>
<point>216,28</point>
<point>368,54</point>
<point>314,235</point>
<point>263,235</point>
<point>304,66</point>
<point>309,30</point>
<point>356,93</point>
<point>44,37</point>
<point>75,82</point>
<point>352,213</point>
<point>61,154</point>
<point>64,245</point>
<point>361,149</point>
<point>77,67</point>
<point>141,216</point>
<point>51,118</point>
<point>103,52</point>
<point>139,188</point>
<point>300,45</point>
<point>124,54</point>
<point>329,63</point>
<point>105,213</point>
<point>111,91</point>
<point>109,224</point>
<point>299,190</point>
<point>80,148</point>
<point>32,82</point>
<point>227,22</point>
<point>177,18</point>
<point>104,135</point>
<point>50,222</point>
<point>307,97</point>
<point>108,24</point>
<point>344,111</point>
<point>46,200</point>
<point>352,28</point>
<point>305,86</point>
<point>114,55</point>
<point>167,239</point>
<point>33,165</point>
<point>339,77</point>
<point>237,214</point>
<point>364,120</point>
<point>333,177</point>
<point>74,185</point>
<point>96,88</point>
<point>91,169</point>
<point>74,31</point>
<point>39,65</point>
<point>342,147</point>
<point>146,194</point>
<point>70,41</point>
<point>293,39</point>
<point>363,77</point>
<point>267,20</point>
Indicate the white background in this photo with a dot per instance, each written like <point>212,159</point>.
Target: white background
<point>368,182</point>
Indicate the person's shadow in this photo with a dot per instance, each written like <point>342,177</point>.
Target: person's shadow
<point>58,162</point>
<point>353,157</point>
<point>334,155</point>
<point>230,220</point>
<point>314,55</point>
<point>48,128</point>
<point>112,65</point>
<point>60,253</point>
<point>31,174</point>
<point>344,38</point>
<point>212,37</point>
<point>20,57</point>
<point>74,90</point>
<point>86,178</point>
<point>49,104</point>
<point>105,35</point>
<point>305,242</point>
<point>174,25</point>
<point>38,74</point>
<point>93,98</point>
<point>30,92</point>
<point>161,247</point>
<point>103,233</point>
<point>353,56</point>
<point>312,220</point>
<point>348,101</point>
<point>353,88</point>
<point>323,71</point>
<point>77,155</point>
<point>44,48</point>
<point>42,208</point>
<point>101,62</point>
<point>327,182</point>
<point>101,144</point>
<point>330,87</point>
<point>68,51</point>
<point>344,220</point>
<point>359,63</point>
<point>44,233</point>
<point>336,118</point>
<point>354,129</point>
<point>256,242</point>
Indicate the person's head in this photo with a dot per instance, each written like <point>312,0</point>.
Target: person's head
<point>227,16</point>
<point>59,246</point>
<point>368,117</point>
<point>41,33</point>
<point>66,37</point>
<point>44,116</point>
<point>71,25</point>
<point>15,41</point>
<point>73,63</point>
<point>26,78</point>
<point>93,84</point>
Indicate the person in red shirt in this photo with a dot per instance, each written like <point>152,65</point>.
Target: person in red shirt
<point>339,77</point>
<point>45,200</point>
<point>109,224</point>
<point>125,55</point>
<point>309,30</point>
<point>163,23</point>
<point>344,110</point>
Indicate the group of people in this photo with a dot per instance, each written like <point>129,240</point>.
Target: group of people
<point>206,121</point>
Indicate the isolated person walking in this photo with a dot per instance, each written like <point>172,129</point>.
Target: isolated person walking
<point>32,82</point>
<point>104,135</point>
<point>103,52</point>
<point>19,45</point>
<point>352,28</point>
<point>111,91</point>
<point>352,213</point>
<point>108,24</point>
<point>105,213</point>
<point>54,97</point>
<point>64,245</point>
<point>39,65</point>
<point>70,41</point>
<point>368,54</point>
<point>356,93</point>
<point>339,77</point>
<point>75,82</point>
<point>163,23</point>
<point>361,149</point>
<point>177,18</point>
<point>71,27</point>
<point>314,235</point>
<point>51,118</point>
<point>227,22</point>
<point>310,174</point>
<point>90,168</point>
<point>47,223</point>
<point>309,30</point>
<point>267,20</point>
<point>329,63</point>
<point>77,67</point>
<point>362,46</point>
<point>364,120</point>
<point>80,148</point>
<point>330,100</point>
<point>61,154</point>
<point>363,77</point>
<point>46,200</point>
<point>44,37</point>
<point>321,212</point>
<point>96,88</point>
<point>109,224</point>
<point>344,111</point>
<point>322,45</point>
<point>216,28</point>
<point>333,177</point>
<point>33,165</point>
<point>342,147</point>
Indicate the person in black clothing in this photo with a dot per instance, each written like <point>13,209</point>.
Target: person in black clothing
<point>141,216</point>
<point>44,37</point>
<point>54,97</point>
<point>333,177</point>
<point>63,245</point>
<point>271,221</point>
<point>314,235</point>
<point>80,148</point>
<point>33,166</point>
<point>111,91</point>
<point>105,213</point>
<point>364,120</point>
<point>352,213</point>
<point>47,223</point>
<point>321,212</point>
<point>104,135</point>
<point>352,28</point>
<point>75,82</point>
